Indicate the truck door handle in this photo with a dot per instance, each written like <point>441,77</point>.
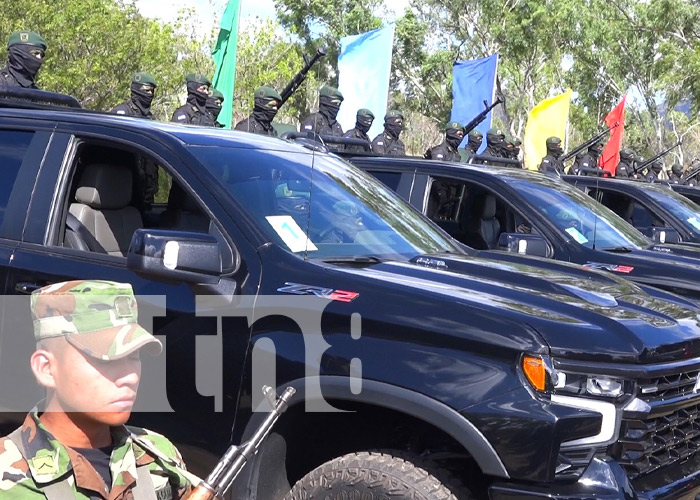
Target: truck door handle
<point>26,288</point>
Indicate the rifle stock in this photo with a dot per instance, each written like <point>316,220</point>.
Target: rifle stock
<point>481,116</point>
<point>235,458</point>
<point>299,78</point>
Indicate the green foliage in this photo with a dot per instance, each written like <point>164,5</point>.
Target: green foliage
<point>96,45</point>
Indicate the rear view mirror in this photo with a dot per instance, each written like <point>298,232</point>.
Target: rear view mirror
<point>524,244</point>
<point>175,255</point>
<point>665,235</point>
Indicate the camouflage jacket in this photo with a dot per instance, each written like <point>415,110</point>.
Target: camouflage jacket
<point>47,461</point>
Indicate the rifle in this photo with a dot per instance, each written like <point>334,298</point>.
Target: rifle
<point>586,144</point>
<point>481,116</point>
<point>648,162</point>
<point>299,78</point>
<point>235,458</point>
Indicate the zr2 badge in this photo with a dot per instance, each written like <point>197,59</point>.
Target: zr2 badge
<point>327,293</point>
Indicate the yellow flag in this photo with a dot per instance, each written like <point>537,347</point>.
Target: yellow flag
<point>545,120</point>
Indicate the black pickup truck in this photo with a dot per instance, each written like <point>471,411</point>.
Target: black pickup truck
<point>651,208</point>
<point>457,376</point>
<point>506,211</point>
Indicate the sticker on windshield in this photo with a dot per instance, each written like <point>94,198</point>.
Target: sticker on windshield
<point>577,235</point>
<point>694,222</point>
<point>290,232</point>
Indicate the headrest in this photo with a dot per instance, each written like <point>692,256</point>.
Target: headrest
<point>105,187</point>
<point>488,211</point>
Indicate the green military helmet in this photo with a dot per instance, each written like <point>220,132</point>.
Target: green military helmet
<point>365,113</point>
<point>677,168</point>
<point>475,133</point>
<point>266,92</point>
<point>454,126</point>
<point>328,91</point>
<point>553,141</point>
<point>215,94</point>
<point>198,78</point>
<point>27,38</point>
<point>144,79</point>
<point>98,318</point>
<point>495,131</point>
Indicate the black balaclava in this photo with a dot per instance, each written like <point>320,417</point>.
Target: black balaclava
<point>23,65</point>
<point>475,141</point>
<point>364,123</point>
<point>554,149</point>
<point>329,106</point>
<point>141,99</point>
<point>596,150</point>
<point>454,137</point>
<point>677,169</point>
<point>265,110</point>
<point>214,106</point>
<point>656,167</point>
<point>394,126</point>
<point>195,98</point>
<point>496,142</point>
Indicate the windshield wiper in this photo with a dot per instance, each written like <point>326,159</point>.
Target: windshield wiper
<point>618,249</point>
<point>364,259</point>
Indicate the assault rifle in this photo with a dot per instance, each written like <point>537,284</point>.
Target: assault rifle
<point>299,78</point>
<point>481,116</point>
<point>235,458</point>
<point>590,142</point>
<point>643,165</point>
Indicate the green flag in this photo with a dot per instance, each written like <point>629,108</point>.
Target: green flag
<point>225,59</point>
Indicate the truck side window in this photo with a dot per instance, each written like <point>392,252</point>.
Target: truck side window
<point>389,179</point>
<point>108,201</point>
<point>14,145</point>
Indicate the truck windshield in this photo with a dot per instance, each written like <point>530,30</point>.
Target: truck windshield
<point>680,206</point>
<point>580,217</point>
<point>319,206</point>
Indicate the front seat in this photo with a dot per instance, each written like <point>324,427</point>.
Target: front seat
<point>102,206</point>
<point>484,229</point>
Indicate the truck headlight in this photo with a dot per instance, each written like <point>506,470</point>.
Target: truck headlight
<point>599,386</point>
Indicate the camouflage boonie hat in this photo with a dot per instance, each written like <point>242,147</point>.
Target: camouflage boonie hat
<point>198,78</point>
<point>27,38</point>
<point>98,318</point>
<point>144,79</point>
<point>267,92</point>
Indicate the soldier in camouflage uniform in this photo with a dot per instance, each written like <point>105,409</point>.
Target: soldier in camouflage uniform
<point>77,446</point>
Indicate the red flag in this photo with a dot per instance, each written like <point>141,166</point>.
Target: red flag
<point>611,153</point>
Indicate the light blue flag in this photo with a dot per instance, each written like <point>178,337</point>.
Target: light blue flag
<point>364,68</point>
<point>473,82</point>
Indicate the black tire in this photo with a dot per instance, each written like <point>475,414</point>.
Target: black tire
<point>379,476</point>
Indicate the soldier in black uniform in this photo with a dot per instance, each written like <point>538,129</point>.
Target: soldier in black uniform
<point>551,164</point>
<point>143,88</point>
<point>447,150</point>
<point>363,122</point>
<point>324,121</point>
<point>676,176</point>
<point>26,51</point>
<point>388,143</point>
<point>654,171</point>
<point>213,105</point>
<point>495,143</point>
<point>474,139</point>
<point>194,111</point>
<point>624,168</point>
<point>267,103</point>
<point>587,165</point>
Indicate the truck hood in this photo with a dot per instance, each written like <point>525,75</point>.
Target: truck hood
<point>580,314</point>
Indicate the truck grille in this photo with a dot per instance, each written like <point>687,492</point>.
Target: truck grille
<point>670,434</point>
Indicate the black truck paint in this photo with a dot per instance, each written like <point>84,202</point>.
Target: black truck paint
<point>444,332</point>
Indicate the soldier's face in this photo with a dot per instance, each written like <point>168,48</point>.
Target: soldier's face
<point>93,390</point>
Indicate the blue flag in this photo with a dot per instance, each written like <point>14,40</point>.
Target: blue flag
<point>473,82</point>
<point>364,68</point>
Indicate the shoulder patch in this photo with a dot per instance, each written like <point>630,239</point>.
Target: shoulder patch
<point>380,143</point>
<point>181,117</point>
<point>545,161</point>
<point>440,156</point>
<point>121,112</point>
<point>308,127</point>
